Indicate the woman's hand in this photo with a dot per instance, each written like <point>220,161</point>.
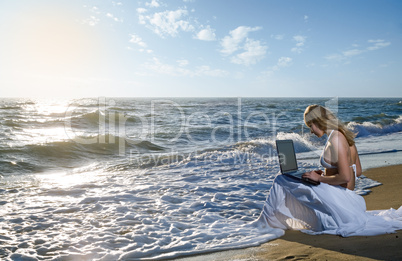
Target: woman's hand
<point>313,175</point>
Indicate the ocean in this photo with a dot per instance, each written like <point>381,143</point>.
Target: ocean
<point>157,178</point>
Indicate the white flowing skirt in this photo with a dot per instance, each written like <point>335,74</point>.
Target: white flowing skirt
<point>324,209</point>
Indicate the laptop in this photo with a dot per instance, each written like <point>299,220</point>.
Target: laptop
<point>288,162</point>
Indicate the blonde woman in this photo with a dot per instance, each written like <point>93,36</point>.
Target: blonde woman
<point>339,158</point>
<point>332,207</point>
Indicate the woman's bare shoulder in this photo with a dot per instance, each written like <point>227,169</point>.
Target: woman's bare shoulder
<point>337,138</point>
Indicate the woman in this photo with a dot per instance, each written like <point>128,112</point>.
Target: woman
<point>332,207</point>
<point>339,158</point>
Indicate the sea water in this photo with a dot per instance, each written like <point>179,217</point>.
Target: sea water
<point>144,179</point>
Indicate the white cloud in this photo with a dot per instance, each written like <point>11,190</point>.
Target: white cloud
<point>207,71</point>
<point>231,43</point>
<point>249,51</point>
<point>113,17</point>
<point>282,62</point>
<point>153,3</point>
<point>352,52</point>
<point>253,53</point>
<point>306,18</point>
<point>137,40</point>
<point>206,34</point>
<point>300,40</point>
<point>182,62</point>
<point>145,50</point>
<point>278,36</point>
<point>141,10</point>
<point>167,22</point>
<point>92,21</point>
<point>161,68</point>
<point>95,10</point>
<point>378,44</point>
<point>374,45</point>
<point>335,57</point>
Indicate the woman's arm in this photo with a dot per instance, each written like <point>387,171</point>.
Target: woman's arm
<point>339,154</point>
<point>358,164</point>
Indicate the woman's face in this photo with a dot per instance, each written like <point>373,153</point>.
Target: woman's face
<point>315,130</point>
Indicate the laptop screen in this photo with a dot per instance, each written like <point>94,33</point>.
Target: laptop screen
<point>287,156</point>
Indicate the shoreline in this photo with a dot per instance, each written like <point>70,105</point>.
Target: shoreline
<point>295,245</point>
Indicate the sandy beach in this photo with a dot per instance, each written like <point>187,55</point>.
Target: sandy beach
<point>295,245</point>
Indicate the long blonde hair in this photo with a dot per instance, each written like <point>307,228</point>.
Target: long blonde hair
<point>325,119</point>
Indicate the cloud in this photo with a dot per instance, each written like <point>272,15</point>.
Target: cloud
<point>278,36</point>
<point>305,18</point>
<point>231,43</point>
<point>161,68</point>
<point>207,71</point>
<point>378,44</point>
<point>141,10</point>
<point>352,52</point>
<point>282,62</point>
<point>335,57</point>
<point>344,55</point>
<point>300,40</point>
<point>167,22</point>
<point>113,17</point>
<point>206,34</point>
<point>182,62</point>
<point>92,21</point>
<point>137,40</point>
<point>251,51</point>
<point>95,10</point>
<point>153,3</point>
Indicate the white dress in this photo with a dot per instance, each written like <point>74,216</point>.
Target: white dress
<point>324,209</point>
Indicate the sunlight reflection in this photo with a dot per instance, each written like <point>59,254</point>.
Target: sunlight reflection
<point>46,135</point>
<point>79,176</point>
<point>66,180</point>
<point>44,121</point>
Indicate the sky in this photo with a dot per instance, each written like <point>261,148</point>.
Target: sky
<point>201,48</point>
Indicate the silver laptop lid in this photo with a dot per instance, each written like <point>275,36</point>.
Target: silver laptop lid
<point>286,155</point>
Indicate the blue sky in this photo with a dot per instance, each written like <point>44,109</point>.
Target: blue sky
<point>201,48</point>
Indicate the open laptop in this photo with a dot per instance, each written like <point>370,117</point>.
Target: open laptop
<point>288,162</point>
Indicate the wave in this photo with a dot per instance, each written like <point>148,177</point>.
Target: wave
<point>10,107</point>
<point>72,153</point>
<point>367,128</point>
<point>97,144</point>
<point>302,143</point>
<point>380,118</point>
<point>20,167</point>
<point>83,120</point>
<point>21,123</point>
<point>77,120</point>
<point>97,117</point>
<point>86,102</point>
